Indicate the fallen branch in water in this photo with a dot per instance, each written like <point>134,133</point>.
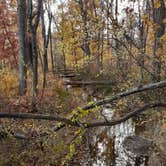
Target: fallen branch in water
<point>126,117</point>
<point>85,125</point>
<point>151,86</point>
<point>118,96</point>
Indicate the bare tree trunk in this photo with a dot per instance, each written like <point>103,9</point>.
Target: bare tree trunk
<point>45,43</point>
<point>143,31</point>
<point>74,53</point>
<point>45,60</point>
<point>158,18</point>
<point>49,36</point>
<point>116,11</point>
<point>35,64</point>
<point>51,53</point>
<point>99,39</point>
<point>33,25</point>
<point>21,15</point>
<point>85,47</point>
<point>64,58</point>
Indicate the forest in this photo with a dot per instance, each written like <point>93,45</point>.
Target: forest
<point>82,83</point>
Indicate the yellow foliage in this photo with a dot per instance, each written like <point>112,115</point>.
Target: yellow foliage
<point>8,83</point>
<point>157,4</point>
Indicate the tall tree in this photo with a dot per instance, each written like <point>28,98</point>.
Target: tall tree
<point>159,15</point>
<point>21,14</point>
<point>33,23</point>
<point>83,11</point>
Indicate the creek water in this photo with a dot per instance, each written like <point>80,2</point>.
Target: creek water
<point>108,147</point>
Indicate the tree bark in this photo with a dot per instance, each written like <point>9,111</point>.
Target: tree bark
<point>86,45</point>
<point>33,25</point>
<point>21,16</point>
<point>158,18</point>
<point>45,60</point>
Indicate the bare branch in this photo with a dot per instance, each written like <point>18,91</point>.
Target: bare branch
<point>151,86</point>
<point>86,125</point>
<point>126,117</point>
<point>36,116</point>
<point>131,54</point>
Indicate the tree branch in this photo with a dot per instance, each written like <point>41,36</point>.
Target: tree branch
<point>151,86</point>
<point>126,117</point>
<point>131,54</point>
<point>36,116</point>
<point>86,125</point>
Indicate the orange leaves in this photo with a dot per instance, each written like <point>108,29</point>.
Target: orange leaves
<point>8,82</point>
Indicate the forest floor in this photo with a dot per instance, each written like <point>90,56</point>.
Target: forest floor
<point>34,142</point>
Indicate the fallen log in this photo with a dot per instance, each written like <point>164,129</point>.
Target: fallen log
<point>89,83</point>
<point>18,115</point>
<point>68,75</point>
<point>151,86</point>
<point>65,71</point>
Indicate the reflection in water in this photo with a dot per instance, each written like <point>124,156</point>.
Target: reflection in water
<point>113,153</point>
<point>120,132</point>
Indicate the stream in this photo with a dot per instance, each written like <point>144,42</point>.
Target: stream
<point>120,145</point>
<point>107,145</point>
